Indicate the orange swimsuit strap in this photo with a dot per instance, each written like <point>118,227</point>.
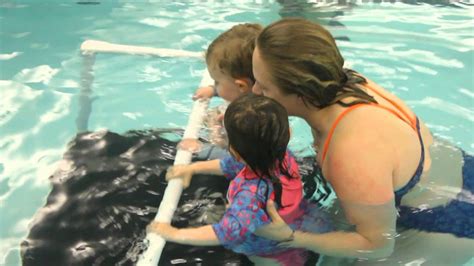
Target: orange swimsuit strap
<point>411,120</point>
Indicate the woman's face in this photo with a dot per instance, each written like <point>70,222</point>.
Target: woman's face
<point>263,82</point>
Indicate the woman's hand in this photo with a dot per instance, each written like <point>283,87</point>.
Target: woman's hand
<point>181,171</point>
<point>277,230</point>
<point>163,229</point>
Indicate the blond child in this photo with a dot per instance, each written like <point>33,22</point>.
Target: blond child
<point>229,61</point>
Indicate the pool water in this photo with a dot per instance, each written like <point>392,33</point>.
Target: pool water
<point>423,53</point>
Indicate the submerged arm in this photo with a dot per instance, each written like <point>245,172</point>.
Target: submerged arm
<point>360,169</point>
<point>363,185</point>
<point>373,236</point>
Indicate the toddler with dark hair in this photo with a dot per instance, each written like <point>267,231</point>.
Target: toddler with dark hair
<point>260,169</point>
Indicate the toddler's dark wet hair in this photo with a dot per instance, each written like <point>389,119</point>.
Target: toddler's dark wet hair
<point>258,130</point>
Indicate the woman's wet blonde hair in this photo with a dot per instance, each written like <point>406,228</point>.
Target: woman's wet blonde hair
<point>303,59</point>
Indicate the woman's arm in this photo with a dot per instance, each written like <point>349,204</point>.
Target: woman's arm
<point>360,169</point>
<point>362,181</point>
<point>373,236</point>
<point>199,236</point>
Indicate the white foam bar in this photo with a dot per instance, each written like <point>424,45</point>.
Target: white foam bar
<point>93,46</point>
<point>170,200</point>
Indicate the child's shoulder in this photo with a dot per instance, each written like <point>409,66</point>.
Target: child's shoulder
<point>246,182</point>
<point>289,157</point>
<point>292,164</point>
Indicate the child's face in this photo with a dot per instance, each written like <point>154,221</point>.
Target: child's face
<point>226,86</point>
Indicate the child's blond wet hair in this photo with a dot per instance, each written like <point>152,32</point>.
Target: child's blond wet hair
<point>231,52</point>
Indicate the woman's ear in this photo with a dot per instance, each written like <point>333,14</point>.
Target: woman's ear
<point>245,85</point>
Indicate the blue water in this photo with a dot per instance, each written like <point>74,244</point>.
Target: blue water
<point>423,53</point>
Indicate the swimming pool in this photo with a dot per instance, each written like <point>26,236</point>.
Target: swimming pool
<point>423,53</point>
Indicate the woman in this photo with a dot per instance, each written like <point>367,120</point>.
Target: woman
<point>373,150</point>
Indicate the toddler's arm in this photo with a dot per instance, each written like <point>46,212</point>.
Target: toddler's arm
<point>186,172</point>
<point>205,93</point>
<point>199,236</point>
<point>217,134</point>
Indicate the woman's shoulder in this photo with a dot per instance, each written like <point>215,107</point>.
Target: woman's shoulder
<point>386,98</point>
<point>390,100</point>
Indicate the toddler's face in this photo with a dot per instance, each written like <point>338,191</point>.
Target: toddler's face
<point>226,86</point>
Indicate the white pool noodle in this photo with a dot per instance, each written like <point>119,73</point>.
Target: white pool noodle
<point>170,200</point>
<point>172,193</point>
<point>93,46</point>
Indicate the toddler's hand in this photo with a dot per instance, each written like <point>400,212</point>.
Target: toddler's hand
<point>204,93</point>
<point>220,118</point>
<point>163,229</point>
<point>192,145</point>
<point>180,171</point>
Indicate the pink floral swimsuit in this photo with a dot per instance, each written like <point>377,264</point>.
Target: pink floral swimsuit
<point>248,195</point>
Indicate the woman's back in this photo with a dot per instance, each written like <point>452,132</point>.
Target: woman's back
<point>405,139</point>
<point>369,122</point>
<point>442,164</point>
<point>426,181</point>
